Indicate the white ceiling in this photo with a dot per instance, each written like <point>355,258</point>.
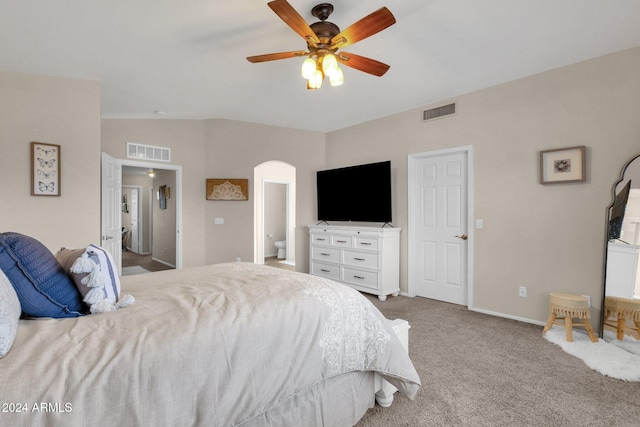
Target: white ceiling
<point>187,58</point>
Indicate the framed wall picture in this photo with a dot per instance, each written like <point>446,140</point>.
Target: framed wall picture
<point>45,169</point>
<point>227,189</point>
<point>563,165</point>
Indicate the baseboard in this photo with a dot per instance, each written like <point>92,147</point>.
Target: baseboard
<point>493,313</point>
<point>508,316</point>
<point>163,262</point>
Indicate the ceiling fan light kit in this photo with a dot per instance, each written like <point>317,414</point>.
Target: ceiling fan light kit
<point>324,38</point>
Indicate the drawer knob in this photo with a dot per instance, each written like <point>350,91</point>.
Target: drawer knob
<point>358,277</point>
<point>359,259</point>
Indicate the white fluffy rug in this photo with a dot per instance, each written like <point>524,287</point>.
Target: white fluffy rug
<point>614,359</point>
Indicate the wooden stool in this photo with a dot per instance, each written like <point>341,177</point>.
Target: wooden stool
<point>569,306</point>
<point>625,309</point>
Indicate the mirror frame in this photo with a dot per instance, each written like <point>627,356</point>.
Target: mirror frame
<point>606,240</point>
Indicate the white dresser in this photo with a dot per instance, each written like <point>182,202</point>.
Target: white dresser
<point>623,274</point>
<point>365,258</point>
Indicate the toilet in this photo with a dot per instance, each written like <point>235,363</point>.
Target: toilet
<point>282,248</point>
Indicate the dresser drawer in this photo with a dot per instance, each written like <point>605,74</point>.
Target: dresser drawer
<point>367,279</point>
<point>367,243</point>
<point>321,253</point>
<point>341,241</point>
<point>325,270</point>
<point>320,239</point>
<point>360,259</point>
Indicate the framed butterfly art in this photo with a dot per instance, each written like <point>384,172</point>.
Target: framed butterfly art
<point>45,169</point>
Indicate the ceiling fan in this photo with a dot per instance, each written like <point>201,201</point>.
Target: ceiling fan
<point>324,38</point>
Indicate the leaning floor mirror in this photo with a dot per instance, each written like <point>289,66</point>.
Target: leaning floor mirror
<point>620,322</point>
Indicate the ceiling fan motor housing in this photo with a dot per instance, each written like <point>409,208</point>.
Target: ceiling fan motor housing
<point>323,29</point>
<point>322,11</point>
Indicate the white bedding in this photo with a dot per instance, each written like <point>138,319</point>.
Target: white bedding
<point>219,345</point>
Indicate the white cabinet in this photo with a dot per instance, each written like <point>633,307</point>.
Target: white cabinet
<point>623,274</point>
<point>365,258</point>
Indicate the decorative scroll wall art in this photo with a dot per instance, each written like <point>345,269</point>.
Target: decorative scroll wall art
<point>45,169</point>
<point>227,189</point>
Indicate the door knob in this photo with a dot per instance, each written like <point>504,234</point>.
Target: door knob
<point>463,237</point>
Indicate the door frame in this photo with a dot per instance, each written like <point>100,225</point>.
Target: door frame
<point>139,216</point>
<point>177,194</point>
<point>412,160</point>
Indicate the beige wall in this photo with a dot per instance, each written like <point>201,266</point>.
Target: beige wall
<point>548,238</point>
<point>55,111</point>
<point>224,149</point>
<point>186,140</point>
<point>233,150</point>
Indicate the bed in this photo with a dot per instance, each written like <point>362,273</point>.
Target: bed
<point>234,344</point>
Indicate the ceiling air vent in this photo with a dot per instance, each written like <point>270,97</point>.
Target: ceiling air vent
<point>148,152</point>
<point>434,113</point>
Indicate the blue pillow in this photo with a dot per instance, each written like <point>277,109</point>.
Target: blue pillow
<point>43,287</point>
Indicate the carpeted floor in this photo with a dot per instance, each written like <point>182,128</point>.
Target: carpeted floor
<point>480,370</point>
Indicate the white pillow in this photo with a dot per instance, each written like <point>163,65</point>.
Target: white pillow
<point>9,314</point>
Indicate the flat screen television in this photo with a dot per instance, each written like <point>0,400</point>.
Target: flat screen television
<point>359,193</point>
<point>617,212</point>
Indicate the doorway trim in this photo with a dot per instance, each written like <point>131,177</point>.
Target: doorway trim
<point>412,217</point>
<point>178,198</point>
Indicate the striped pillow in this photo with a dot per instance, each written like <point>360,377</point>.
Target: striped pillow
<point>94,274</point>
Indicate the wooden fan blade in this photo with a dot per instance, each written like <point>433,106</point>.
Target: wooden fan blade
<point>366,27</point>
<point>288,14</point>
<point>275,56</point>
<point>361,63</point>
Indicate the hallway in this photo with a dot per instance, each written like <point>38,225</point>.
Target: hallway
<point>130,259</point>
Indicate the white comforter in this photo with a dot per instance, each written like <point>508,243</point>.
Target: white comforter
<point>215,346</point>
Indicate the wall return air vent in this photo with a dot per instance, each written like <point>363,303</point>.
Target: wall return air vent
<point>148,152</point>
<point>437,112</point>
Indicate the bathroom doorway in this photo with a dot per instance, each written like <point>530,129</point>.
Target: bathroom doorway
<point>275,225</point>
<point>274,214</point>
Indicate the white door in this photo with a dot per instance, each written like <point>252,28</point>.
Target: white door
<point>111,227</point>
<point>439,226</point>
<point>135,238</point>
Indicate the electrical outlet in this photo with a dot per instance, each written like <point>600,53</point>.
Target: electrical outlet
<point>588,299</point>
<point>522,291</point>
<point>238,259</point>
